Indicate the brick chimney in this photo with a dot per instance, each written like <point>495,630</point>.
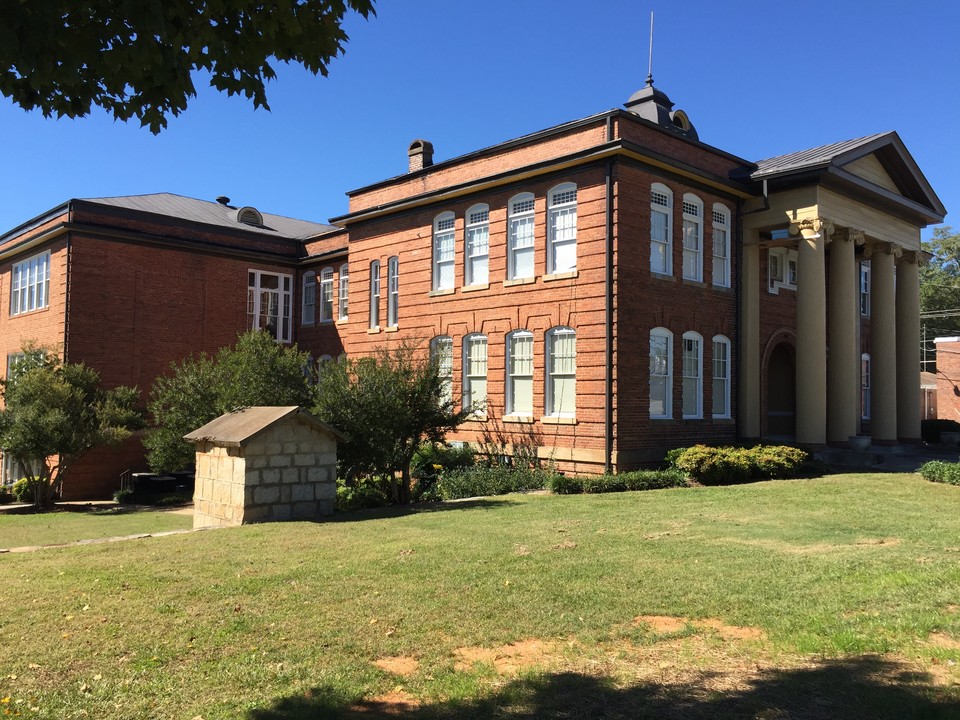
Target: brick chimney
<point>420,154</point>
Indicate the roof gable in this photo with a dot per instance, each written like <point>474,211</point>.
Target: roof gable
<point>238,427</point>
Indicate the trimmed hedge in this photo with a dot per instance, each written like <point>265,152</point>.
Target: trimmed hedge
<point>730,465</point>
<point>625,481</point>
<point>494,480</point>
<point>941,472</point>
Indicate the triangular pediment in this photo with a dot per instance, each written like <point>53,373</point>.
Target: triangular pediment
<point>871,169</point>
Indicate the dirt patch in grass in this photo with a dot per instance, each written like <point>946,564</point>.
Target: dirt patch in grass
<point>394,703</point>
<point>399,665</point>
<point>942,640</point>
<point>667,625</point>
<point>508,659</point>
<point>878,541</point>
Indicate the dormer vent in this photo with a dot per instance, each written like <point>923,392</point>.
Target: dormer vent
<point>420,154</point>
<point>250,216</point>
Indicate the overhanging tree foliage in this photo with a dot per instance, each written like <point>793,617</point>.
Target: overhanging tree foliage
<point>940,286</point>
<point>256,371</point>
<point>54,412</point>
<point>137,59</point>
<point>387,404</point>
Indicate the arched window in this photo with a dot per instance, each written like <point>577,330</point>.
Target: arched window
<point>326,295</point>
<point>562,228</point>
<point>375,294</point>
<point>308,295</point>
<point>661,373</point>
<point>865,386</point>
<point>520,240</point>
<point>721,245</point>
<point>561,395</point>
<point>475,372</point>
<point>692,237</point>
<point>441,352</point>
<point>343,293</point>
<point>721,377</point>
<point>444,250</point>
<point>692,375</point>
<point>478,245</point>
<point>393,291</point>
<point>661,229</point>
<point>519,400</point>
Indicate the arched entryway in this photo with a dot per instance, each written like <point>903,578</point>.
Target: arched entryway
<point>782,392</point>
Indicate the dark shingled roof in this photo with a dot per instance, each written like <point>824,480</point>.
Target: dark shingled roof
<point>812,158</point>
<point>213,213</point>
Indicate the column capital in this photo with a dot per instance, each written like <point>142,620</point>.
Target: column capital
<point>812,228</point>
<point>887,248</point>
<point>913,256</point>
<point>847,234</point>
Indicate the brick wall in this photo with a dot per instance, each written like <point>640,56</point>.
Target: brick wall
<point>948,379</point>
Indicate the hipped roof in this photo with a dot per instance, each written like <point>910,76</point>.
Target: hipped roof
<point>238,427</point>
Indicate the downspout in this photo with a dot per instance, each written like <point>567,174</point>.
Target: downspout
<point>608,320</point>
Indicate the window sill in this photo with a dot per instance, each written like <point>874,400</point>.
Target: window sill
<point>475,288</point>
<point>326,322</point>
<point>660,276</point>
<point>723,288</point>
<point>517,419</point>
<point>30,312</point>
<point>373,330</point>
<point>519,281</point>
<point>477,417</point>
<point>723,420</point>
<point>391,329</point>
<point>693,282</point>
<point>570,274</point>
<point>555,420</point>
<point>440,293</point>
<point>306,324</point>
<point>341,321</point>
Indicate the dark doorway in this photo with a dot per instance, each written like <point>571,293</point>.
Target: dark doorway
<point>782,392</point>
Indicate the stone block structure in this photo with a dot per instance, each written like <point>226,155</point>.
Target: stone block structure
<point>264,464</point>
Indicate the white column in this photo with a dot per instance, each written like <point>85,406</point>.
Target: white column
<point>843,314</point>
<point>883,344</point>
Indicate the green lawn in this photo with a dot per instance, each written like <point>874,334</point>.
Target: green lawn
<point>829,598</point>
<point>65,526</point>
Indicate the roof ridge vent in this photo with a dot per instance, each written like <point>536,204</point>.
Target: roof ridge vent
<point>250,216</point>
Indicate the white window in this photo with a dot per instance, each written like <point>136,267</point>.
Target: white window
<point>393,291</point>
<point>865,288</point>
<point>865,386</point>
<point>520,250</point>
<point>14,359</point>
<point>781,269</point>
<point>343,293</point>
<point>475,372</point>
<point>269,300</point>
<point>692,237</point>
<point>308,305</point>
<point>375,294</point>
<point>326,295</point>
<point>478,245</point>
<point>519,373</point>
<point>721,377</point>
<point>661,373</point>
<point>561,372</point>
<point>562,228</point>
<point>30,284</point>
<point>692,375</point>
<point>444,245</point>
<point>441,352</point>
<point>721,245</point>
<point>661,229</point>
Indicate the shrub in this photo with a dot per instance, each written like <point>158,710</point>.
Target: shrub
<point>727,465</point>
<point>6,497</point>
<point>673,455</point>
<point>565,485</point>
<point>362,492</point>
<point>23,490</point>
<point>625,481</point>
<point>433,460</point>
<point>653,479</point>
<point>123,497</point>
<point>941,472</point>
<point>930,429</point>
<point>777,461</point>
<point>493,480</point>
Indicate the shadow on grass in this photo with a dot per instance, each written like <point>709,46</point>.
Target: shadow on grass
<point>852,689</point>
<point>394,511</point>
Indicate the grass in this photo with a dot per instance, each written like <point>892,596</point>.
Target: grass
<point>834,597</point>
<point>65,526</point>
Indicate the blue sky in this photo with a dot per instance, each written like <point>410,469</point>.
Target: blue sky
<point>757,78</point>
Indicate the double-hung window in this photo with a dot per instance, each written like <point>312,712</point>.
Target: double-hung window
<point>721,377</point>
<point>721,246</point>
<point>441,351</point>
<point>444,250</point>
<point>520,373</point>
<point>30,284</point>
<point>520,240</point>
<point>865,288</point>
<point>475,373</point>
<point>343,292</point>
<point>326,295</point>
<point>692,237</point>
<point>374,294</point>
<point>308,305</point>
<point>393,291</point>
<point>561,372</point>
<point>865,386</point>
<point>661,229</point>
<point>562,228</point>
<point>692,375</point>
<point>661,373</point>
<point>269,300</point>
<point>478,245</point>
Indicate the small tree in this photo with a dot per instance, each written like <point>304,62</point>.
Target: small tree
<point>256,371</point>
<point>54,412</point>
<point>387,404</point>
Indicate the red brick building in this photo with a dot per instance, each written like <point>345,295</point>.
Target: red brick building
<point>604,290</point>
